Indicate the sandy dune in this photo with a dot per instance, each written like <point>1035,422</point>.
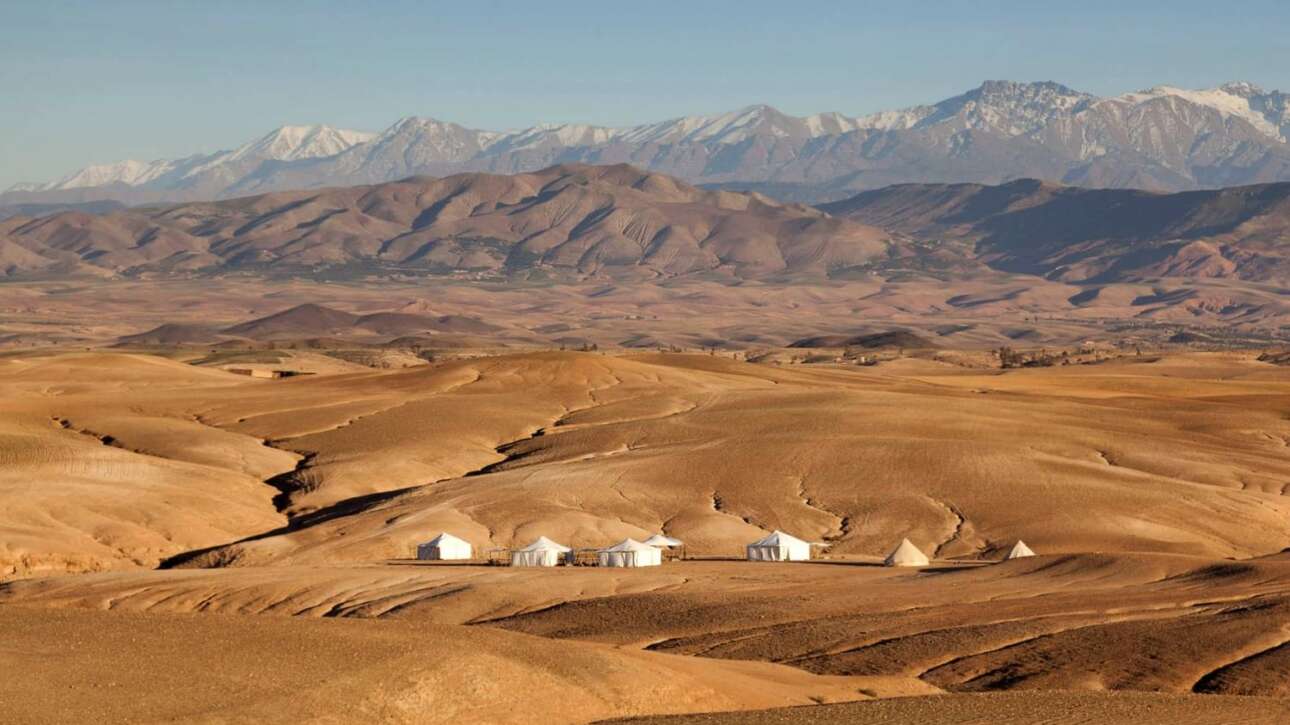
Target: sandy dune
<point>249,669</point>
<point>715,451</point>
<point>92,481</point>
<point>1184,454</point>
<point>1151,487</point>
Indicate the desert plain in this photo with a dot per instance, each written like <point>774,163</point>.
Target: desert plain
<point>694,365</point>
<point>183,542</point>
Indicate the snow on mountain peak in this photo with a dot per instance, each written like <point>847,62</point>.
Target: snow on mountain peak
<point>286,143</point>
<point>829,124</point>
<point>1009,107</point>
<point>1232,100</point>
<point>130,172</point>
<point>289,143</point>
<point>411,123</point>
<point>548,134</point>
<point>422,139</point>
<point>736,127</point>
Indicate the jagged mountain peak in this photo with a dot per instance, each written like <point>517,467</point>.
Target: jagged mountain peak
<point>1011,108</point>
<point>414,123</point>
<point>287,143</point>
<point>415,140</point>
<point>1024,89</point>
<point>425,127</point>
<point>1244,89</point>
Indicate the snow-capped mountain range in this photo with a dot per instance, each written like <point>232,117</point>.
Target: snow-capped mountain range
<point>288,143</point>
<point>1164,138</point>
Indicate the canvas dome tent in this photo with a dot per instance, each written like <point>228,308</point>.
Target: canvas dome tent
<point>444,547</point>
<point>1019,551</point>
<point>906,554</point>
<point>630,553</point>
<point>779,546</point>
<point>542,552</point>
<point>671,548</point>
<point>662,541</point>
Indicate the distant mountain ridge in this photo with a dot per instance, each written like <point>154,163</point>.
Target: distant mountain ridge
<point>564,221</point>
<point>1094,235</point>
<point>574,222</point>
<point>38,210</point>
<point>1164,139</point>
<point>311,321</point>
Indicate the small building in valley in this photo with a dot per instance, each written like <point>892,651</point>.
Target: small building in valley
<point>630,553</point>
<point>906,554</point>
<point>671,548</point>
<point>1019,551</point>
<point>444,547</point>
<point>779,546</point>
<point>542,552</point>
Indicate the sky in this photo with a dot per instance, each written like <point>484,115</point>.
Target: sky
<point>95,82</point>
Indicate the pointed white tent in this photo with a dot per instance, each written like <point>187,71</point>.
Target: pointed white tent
<point>906,554</point>
<point>779,546</point>
<point>663,541</point>
<point>1019,551</point>
<point>444,547</point>
<point>630,553</point>
<point>542,552</point>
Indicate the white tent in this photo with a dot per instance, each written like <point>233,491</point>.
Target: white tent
<point>443,547</point>
<point>630,553</point>
<point>543,552</point>
<point>663,541</point>
<point>1019,551</point>
<point>779,546</point>
<point>906,554</point>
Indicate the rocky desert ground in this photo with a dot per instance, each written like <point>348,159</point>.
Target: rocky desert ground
<point>183,542</point>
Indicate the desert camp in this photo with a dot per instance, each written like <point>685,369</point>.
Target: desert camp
<point>624,363</point>
<point>776,546</point>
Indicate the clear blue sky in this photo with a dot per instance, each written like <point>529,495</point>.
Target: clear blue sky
<point>98,81</point>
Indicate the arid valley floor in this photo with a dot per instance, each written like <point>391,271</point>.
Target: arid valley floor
<point>184,543</point>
